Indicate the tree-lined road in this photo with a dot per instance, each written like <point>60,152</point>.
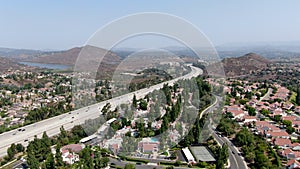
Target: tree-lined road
<point>236,161</point>
<point>76,117</point>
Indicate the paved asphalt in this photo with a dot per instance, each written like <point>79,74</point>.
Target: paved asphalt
<point>69,120</point>
<point>142,166</point>
<point>236,161</point>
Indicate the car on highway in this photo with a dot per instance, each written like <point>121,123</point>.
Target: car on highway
<point>25,140</point>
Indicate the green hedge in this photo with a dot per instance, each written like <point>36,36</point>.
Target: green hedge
<point>134,159</point>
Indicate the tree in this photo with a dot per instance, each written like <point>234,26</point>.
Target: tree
<point>134,101</point>
<point>32,161</point>
<point>50,163</point>
<point>20,147</point>
<point>290,129</point>
<point>129,166</point>
<point>58,158</point>
<point>251,111</point>
<point>143,104</point>
<point>222,156</point>
<point>11,151</point>
<point>265,112</point>
<point>104,161</point>
<point>244,137</point>
<point>277,118</point>
<point>298,96</point>
<point>261,161</point>
<point>46,140</point>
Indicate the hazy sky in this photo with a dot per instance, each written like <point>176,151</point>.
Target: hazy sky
<point>60,24</point>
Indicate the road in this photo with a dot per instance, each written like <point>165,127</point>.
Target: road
<point>142,166</point>
<point>76,117</point>
<point>236,161</point>
<point>267,95</point>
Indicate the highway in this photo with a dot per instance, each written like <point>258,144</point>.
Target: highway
<point>76,117</point>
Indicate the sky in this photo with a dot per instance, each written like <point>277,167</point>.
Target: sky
<point>58,24</point>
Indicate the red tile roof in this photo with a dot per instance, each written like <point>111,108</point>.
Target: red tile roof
<point>278,134</point>
<point>290,162</point>
<point>282,142</point>
<point>76,148</point>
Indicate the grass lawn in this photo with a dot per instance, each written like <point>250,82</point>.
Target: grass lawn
<point>293,97</point>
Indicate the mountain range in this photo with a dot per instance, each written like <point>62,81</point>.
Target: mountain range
<point>233,66</point>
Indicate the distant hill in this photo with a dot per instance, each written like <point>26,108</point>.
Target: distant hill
<point>244,64</point>
<point>18,54</point>
<point>69,57</point>
<point>89,55</point>
<point>8,64</point>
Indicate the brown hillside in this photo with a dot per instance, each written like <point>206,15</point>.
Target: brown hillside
<point>69,57</point>
<point>7,64</point>
<point>244,65</point>
<point>88,60</point>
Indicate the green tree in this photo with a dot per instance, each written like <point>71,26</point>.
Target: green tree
<point>265,112</point>
<point>50,163</point>
<point>11,151</point>
<point>244,137</point>
<point>20,147</point>
<point>32,161</point>
<point>222,156</point>
<point>129,166</point>
<point>251,111</point>
<point>298,96</point>
<point>143,104</point>
<point>58,158</point>
<point>261,161</point>
<point>46,140</point>
<point>134,101</point>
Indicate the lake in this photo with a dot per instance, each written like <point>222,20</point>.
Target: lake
<point>46,65</point>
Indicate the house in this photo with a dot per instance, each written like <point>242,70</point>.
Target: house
<point>297,109</point>
<point>68,152</point>
<point>282,142</point>
<point>114,148</point>
<point>76,148</point>
<point>280,134</point>
<point>249,119</point>
<point>292,164</point>
<point>69,157</point>
<point>289,118</point>
<point>148,145</point>
<point>285,152</point>
<point>236,111</point>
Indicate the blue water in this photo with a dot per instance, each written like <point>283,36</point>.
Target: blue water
<point>153,139</point>
<point>46,65</point>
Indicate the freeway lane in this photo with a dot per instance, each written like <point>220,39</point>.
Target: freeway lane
<point>76,117</point>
